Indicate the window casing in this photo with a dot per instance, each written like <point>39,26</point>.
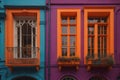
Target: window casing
<point>68,33</point>
<point>98,32</point>
<point>22,37</point>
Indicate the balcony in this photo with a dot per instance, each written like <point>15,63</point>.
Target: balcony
<point>22,57</point>
<point>68,62</point>
<point>99,62</point>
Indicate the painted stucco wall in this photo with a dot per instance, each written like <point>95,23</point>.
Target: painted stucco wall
<point>5,73</point>
<point>24,2</point>
<point>30,71</point>
<point>84,2</point>
<point>51,40</point>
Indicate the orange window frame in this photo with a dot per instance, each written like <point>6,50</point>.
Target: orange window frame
<point>68,12</point>
<point>110,30</point>
<point>9,28</point>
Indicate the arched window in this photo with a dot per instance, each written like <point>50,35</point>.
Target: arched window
<point>24,78</point>
<point>68,78</point>
<point>25,35</point>
<point>97,78</point>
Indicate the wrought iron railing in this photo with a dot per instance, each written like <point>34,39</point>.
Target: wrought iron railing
<point>100,60</point>
<point>20,59</point>
<point>65,59</point>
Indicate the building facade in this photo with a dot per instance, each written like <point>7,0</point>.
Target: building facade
<point>82,40</point>
<point>22,25</point>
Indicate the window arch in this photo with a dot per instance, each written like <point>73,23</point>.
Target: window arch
<point>68,78</point>
<point>97,78</point>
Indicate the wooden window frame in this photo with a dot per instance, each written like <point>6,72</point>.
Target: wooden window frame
<point>9,31</point>
<point>110,34</point>
<point>59,32</point>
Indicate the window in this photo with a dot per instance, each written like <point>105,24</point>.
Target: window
<point>22,33</point>
<point>68,78</point>
<point>98,32</point>
<point>68,31</point>
<point>25,40</point>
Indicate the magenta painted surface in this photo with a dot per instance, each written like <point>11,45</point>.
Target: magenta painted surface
<point>82,73</point>
<point>85,1</point>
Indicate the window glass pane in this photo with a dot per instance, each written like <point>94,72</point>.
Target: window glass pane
<point>72,29</point>
<point>91,46</point>
<point>97,19</point>
<point>72,20</point>
<point>64,29</point>
<point>105,29</point>
<point>34,31</point>
<point>26,40</point>
<point>90,29</point>
<point>64,20</point>
<point>64,40</point>
<point>64,51</point>
<point>72,41</point>
<point>72,51</point>
<point>18,36</point>
<point>103,19</point>
<point>90,20</point>
<point>90,42</point>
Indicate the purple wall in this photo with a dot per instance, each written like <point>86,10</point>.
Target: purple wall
<point>51,38</point>
<point>84,2</point>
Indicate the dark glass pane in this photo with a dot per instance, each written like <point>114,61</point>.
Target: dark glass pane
<point>34,31</point>
<point>103,19</point>
<point>92,42</point>
<point>64,51</point>
<point>90,29</point>
<point>64,20</point>
<point>99,42</point>
<point>72,29</point>
<point>26,40</point>
<point>89,52</point>
<point>72,41</point>
<point>64,40</point>
<point>89,42</point>
<point>72,51</point>
<point>90,20</point>
<point>34,41</point>
<point>72,20</point>
<point>105,30</point>
<point>64,29</point>
<point>18,36</point>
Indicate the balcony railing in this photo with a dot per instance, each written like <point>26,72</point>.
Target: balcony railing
<point>68,62</point>
<point>21,56</point>
<point>102,61</point>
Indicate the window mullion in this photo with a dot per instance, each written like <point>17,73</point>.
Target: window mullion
<point>96,42</point>
<point>20,41</point>
<point>32,49</point>
<point>68,37</point>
